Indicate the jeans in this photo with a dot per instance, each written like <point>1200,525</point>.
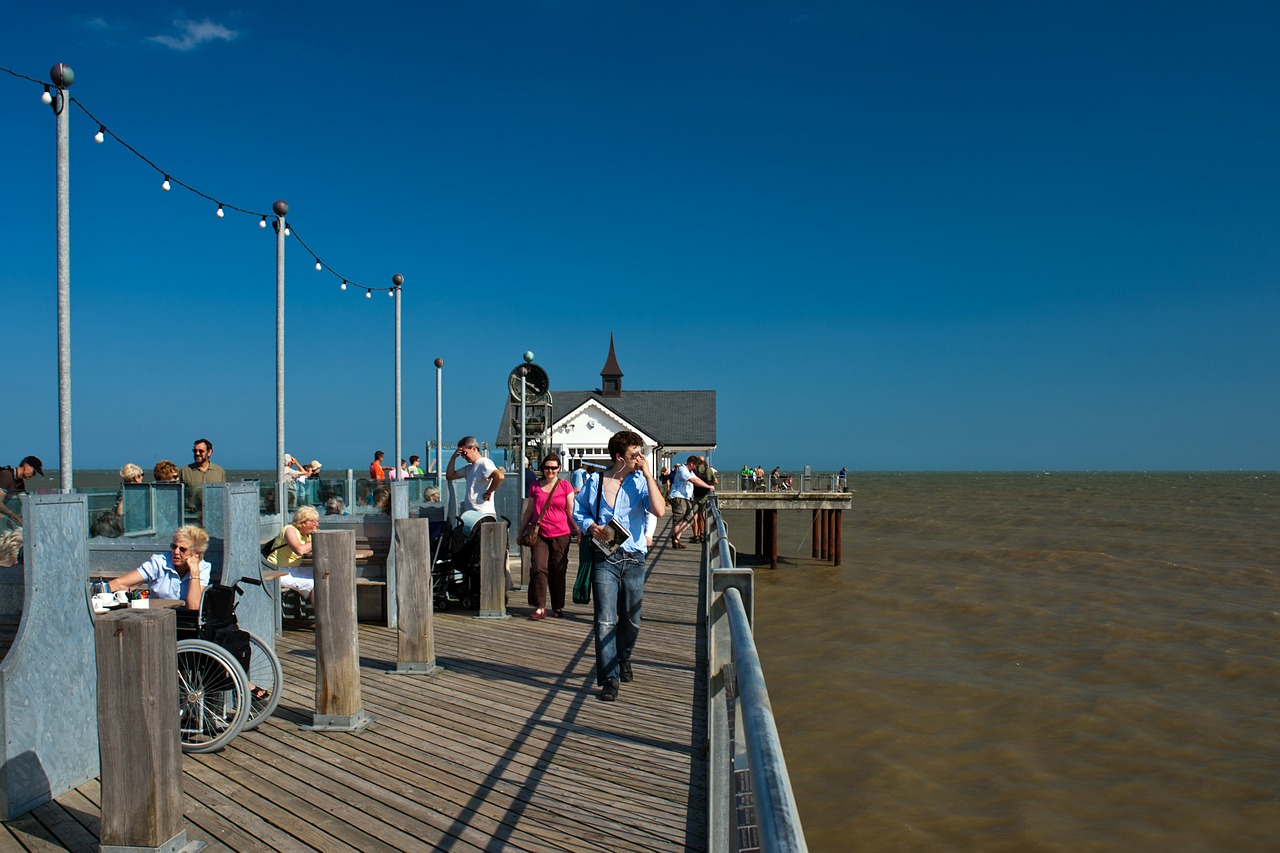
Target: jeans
<point>617,586</point>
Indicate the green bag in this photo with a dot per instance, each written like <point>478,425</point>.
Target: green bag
<point>586,556</point>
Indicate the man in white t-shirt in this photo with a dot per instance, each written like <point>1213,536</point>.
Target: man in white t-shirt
<point>483,479</point>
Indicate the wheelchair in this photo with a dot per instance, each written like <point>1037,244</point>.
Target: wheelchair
<point>217,663</point>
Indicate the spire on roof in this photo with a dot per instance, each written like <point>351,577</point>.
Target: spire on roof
<point>611,374</point>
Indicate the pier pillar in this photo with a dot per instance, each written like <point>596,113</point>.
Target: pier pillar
<point>416,649</point>
<point>817,534</point>
<point>839,543</point>
<point>338,703</point>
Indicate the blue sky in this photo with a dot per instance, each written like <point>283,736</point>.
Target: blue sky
<point>890,235</point>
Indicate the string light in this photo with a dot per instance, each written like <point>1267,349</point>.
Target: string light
<point>48,98</point>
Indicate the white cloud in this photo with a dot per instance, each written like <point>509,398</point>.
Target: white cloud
<point>192,34</point>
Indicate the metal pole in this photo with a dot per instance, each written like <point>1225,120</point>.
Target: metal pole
<point>281,208</point>
<point>397,280</point>
<point>62,77</point>
<point>524,370</point>
<point>439,432</point>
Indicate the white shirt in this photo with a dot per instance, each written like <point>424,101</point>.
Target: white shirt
<point>478,474</point>
<point>163,579</point>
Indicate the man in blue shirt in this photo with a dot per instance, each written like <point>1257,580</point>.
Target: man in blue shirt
<point>627,493</point>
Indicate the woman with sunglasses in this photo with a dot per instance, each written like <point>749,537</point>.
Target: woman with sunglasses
<point>182,573</point>
<point>551,553</point>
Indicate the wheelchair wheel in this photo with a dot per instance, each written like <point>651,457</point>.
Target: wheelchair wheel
<point>213,696</point>
<point>264,672</point>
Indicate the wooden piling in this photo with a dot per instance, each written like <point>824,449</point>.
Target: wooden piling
<point>140,749</point>
<point>338,703</point>
<point>493,570</point>
<point>416,647</point>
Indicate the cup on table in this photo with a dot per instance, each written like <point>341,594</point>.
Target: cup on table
<point>122,597</point>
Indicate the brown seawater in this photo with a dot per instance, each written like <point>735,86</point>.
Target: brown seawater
<point>1032,662</point>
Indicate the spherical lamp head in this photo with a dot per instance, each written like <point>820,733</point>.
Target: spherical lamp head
<point>528,357</point>
<point>397,279</point>
<point>62,75</point>
<point>439,362</point>
<point>281,207</point>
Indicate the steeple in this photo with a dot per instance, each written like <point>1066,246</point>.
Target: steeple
<point>611,374</point>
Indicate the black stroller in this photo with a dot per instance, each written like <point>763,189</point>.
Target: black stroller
<point>455,573</point>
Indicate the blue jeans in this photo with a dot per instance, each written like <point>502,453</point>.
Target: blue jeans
<point>617,586</point>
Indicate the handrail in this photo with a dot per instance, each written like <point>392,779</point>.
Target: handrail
<point>759,812</point>
<point>775,802</point>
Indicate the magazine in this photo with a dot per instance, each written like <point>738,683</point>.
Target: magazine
<point>617,536</point>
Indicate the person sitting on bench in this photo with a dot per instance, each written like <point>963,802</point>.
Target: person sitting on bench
<point>290,546</point>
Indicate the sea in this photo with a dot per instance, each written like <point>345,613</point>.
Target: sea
<point>1031,662</point>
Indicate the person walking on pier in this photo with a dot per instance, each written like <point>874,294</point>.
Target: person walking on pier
<point>625,493</point>
<point>550,501</point>
<point>376,471</point>
<point>202,470</point>
<point>683,479</point>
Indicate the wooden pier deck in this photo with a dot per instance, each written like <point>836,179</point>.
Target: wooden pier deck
<point>508,748</point>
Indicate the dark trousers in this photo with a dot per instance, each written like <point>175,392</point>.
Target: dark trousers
<point>550,562</point>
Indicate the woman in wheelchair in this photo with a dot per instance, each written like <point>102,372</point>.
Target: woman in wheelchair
<point>182,573</point>
<point>290,546</point>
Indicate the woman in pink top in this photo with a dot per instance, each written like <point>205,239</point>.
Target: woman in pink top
<point>551,554</point>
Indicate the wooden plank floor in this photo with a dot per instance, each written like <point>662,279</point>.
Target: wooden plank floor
<point>508,748</point>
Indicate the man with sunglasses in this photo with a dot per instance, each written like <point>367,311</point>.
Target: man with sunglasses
<point>194,476</point>
<point>13,481</point>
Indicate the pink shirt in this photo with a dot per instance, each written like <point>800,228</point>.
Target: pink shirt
<point>556,520</point>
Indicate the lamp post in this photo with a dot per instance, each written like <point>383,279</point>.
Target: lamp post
<point>396,281</point>
<point>62,76</point>
<point>439,431</point>
<point>281,208</point>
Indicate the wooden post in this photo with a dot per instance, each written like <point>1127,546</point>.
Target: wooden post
<point>760,532</point>
<point>493,570</point>
<point>416,651</point>
<point>338,704</point>
<point>840,536</point>
<point>141,754</point>
<point>815,533</point>
<point>772,520</point>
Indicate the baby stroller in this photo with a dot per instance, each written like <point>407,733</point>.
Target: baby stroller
<point>455,573</point>
<point>217,664</point>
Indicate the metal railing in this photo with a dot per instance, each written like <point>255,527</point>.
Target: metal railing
<point>750,802</point>
<point>783,481</point>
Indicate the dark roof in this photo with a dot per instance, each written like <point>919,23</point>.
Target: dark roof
<point>675,418</point>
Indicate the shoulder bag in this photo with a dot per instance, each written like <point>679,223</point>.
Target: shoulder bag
<point>587,554</point>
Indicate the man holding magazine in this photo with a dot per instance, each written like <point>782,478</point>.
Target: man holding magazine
<point>611,509</point>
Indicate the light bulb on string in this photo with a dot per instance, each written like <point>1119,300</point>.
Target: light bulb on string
<point>46,98</point>
<point>220,213</point>
<point>165,186</point>
<point>391,292</point>
<point>286,231</point>
<point>368,294</point>
<point>319,266</point>
<point>263,223</point>
<point>100,135</point>
<point>344,285</point>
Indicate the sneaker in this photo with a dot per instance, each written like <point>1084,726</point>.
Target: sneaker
<point>624,670</point>
<point>609,692</point>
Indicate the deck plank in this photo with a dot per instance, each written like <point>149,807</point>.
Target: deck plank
<point>508,747</point>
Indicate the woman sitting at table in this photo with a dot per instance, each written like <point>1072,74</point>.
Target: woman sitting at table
<point>180,574</point>
<point>290,546</point>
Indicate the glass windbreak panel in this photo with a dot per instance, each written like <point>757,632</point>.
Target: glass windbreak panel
<point>138,509</point>
<point>100,508</point>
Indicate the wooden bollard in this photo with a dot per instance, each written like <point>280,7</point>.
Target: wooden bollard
<point>493,570</point>
<point>139,746</point>
<point>416,648</point>
<point>338,703</point>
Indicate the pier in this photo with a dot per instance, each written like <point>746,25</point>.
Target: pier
<point>508,747</point>
<point>827,509</point>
